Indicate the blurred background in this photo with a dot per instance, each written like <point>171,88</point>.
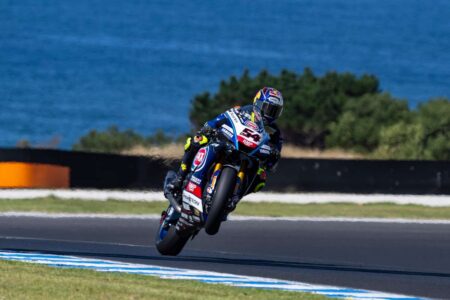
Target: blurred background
<point>360,78</point>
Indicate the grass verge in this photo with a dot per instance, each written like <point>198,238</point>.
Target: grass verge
<point>375,210</point>
<point>31,281</point>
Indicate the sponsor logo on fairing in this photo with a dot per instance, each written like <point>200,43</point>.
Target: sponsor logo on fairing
<point>191,187</point>
<point>196,180</point>
<point>194,189</point>
<point>233,116</point>
<point>252,125</point>
<point>200,159</point>
<point>227,131</point>
<point>192,200</point>
<point>246,142</point>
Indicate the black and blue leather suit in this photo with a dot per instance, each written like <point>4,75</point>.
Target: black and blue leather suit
<point>193,144</point>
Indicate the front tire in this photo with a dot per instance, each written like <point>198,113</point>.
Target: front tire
<point>224,191</point>
<point>172,243</point>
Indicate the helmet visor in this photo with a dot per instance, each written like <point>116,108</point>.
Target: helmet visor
<point>270,110</point>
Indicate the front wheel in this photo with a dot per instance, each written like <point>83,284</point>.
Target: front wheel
<point>172,243</point>
<point>224,191</point>
<point>168,241</point>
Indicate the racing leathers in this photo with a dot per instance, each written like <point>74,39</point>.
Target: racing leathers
<point>193,144</point>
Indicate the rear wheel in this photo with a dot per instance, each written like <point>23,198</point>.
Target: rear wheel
<point>224,191</point>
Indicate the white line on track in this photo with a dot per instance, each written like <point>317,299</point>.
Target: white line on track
<point>299,198</point>
<point>101,265</point>
<point>78,216</point>
<point>25,238</point>
<point>231,218</point>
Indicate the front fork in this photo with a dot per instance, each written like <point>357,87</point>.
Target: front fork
<point>238,190</point>
<point>211,186</point>
<point>237,193</point>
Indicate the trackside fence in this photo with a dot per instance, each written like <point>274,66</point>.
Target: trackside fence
<point>110,171</point>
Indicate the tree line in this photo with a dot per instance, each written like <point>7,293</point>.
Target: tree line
<point>335,110</point>
<point>340,110</point>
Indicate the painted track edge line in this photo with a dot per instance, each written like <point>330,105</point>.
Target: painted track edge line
<point>66,261</point>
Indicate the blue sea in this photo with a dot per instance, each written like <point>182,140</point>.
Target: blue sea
<point>67,66</point>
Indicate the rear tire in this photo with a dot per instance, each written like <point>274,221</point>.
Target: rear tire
<point>224,191</point>
<point>172,243</point>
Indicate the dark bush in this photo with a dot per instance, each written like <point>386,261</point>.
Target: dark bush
<point>359,126</point>
<point>312,103</point>
<point>434,116</point>
<point>426,136</point>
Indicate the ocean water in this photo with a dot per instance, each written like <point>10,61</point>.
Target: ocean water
<point>70,66</point>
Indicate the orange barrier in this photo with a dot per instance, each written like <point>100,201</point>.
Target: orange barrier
<point>33,175</point>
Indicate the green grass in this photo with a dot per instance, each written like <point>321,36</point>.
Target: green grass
<point>55,205</point>
<point>379,210</point>
<point>31,281</point>
<point>371,210</point>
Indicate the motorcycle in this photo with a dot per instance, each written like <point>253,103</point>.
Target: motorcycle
<point>221,174</point>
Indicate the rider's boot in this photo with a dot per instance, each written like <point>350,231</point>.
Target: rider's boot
<point>176,184</point>
<point>233,203</point>
<point>231,207</point>
<point>190,150</point>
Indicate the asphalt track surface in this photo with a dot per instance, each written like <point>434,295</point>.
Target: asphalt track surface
<point>411,259</point>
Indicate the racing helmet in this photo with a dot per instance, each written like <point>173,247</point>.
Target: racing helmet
<point>268,102</point>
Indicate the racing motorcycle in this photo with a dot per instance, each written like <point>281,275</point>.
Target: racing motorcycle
<point>221,174</point>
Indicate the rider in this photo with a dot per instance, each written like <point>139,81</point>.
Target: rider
<point>268,105</point>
